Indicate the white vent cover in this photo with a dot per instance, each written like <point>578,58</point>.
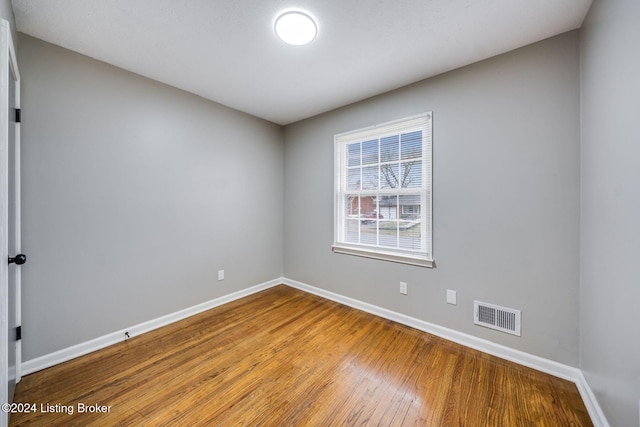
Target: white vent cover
<point>496,317</point>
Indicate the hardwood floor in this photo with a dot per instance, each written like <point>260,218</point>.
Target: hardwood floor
<point>283,357</point>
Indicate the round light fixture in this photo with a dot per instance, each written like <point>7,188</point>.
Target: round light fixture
<point>296,28</point>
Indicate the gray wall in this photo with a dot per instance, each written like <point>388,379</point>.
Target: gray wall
<point>506,198</point>
<point>134,195</point>
<point>6,12</point>
<point>610,226</point>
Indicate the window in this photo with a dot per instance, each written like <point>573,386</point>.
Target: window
<point>383,191</point>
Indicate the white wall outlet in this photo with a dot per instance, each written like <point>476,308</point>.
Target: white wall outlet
<point>220,274</point>
<point>452,297</point>
<point>403,288</point>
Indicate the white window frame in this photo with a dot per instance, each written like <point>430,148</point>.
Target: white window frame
<point>421,257</point>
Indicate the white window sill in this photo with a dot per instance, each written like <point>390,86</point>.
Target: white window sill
<point>428,263</point>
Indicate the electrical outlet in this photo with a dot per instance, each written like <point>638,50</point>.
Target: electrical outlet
<point>452,297</point>
<point>403,288</point>
<point>220,274</point>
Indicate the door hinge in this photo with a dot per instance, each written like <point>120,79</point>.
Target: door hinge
<point>18,333</point>
<point>18,115</point>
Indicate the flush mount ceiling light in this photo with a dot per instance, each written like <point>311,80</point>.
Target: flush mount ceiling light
<point>296,28</point>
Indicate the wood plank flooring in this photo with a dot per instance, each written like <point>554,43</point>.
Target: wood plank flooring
<point>283,357</point>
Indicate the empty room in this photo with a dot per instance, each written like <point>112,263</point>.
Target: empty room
<point>299,213</point>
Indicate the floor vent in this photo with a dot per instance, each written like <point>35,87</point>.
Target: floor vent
<point>496,317</point>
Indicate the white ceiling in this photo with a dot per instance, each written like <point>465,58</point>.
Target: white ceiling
<point>226,50</point>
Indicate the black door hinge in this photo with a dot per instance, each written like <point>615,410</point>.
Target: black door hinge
<point>18,115</point>
<point>18,333</point>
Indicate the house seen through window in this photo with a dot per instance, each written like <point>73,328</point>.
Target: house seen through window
<point>383,191</point>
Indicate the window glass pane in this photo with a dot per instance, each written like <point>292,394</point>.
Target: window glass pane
<point>388,207</point>
<point>389,148</point>
<point>352,206</point>
<point>389,233</point>
<point>369,232</point>
<point>367,205</point>
<point>353,154</point>
<point>370,178</point>
<point>389,174</point>
<point>388,225</point>
<point>410,235</point>
<point>411,173</point>
<point>354,182</point>
<point>409,225</point>
<point>410,207</point>
<point>361,207</point>
<point>370,152</point>
<point>351,231</point>
<point>411,144</point>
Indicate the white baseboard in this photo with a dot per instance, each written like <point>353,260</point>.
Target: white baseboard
<point>78,350</point>
<point>520,357</point>
<point>551,367</point>
<point>590,401</point>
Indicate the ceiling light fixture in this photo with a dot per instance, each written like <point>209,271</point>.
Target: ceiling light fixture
<point>296,28</point>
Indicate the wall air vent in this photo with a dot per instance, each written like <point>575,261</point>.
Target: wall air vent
<point>495,317</point>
